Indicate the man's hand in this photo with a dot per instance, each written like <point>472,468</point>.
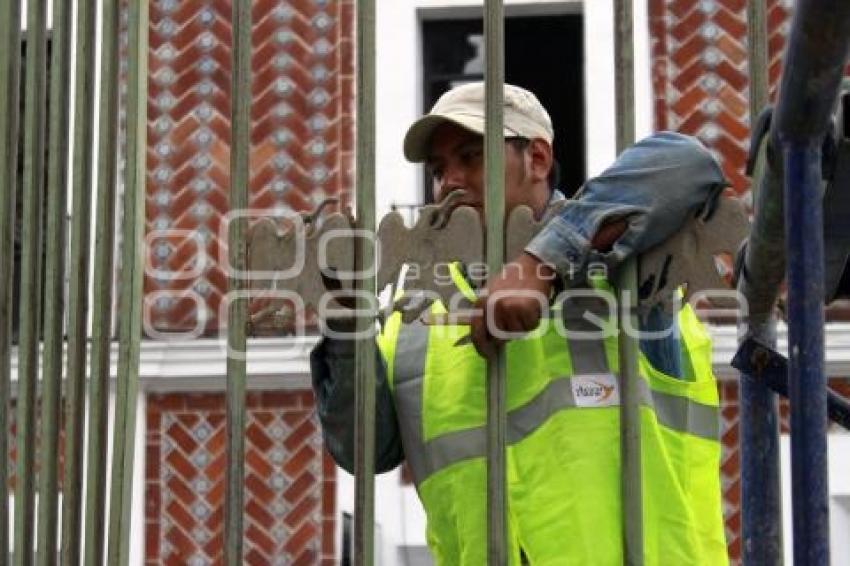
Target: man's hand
<point>512,302</point>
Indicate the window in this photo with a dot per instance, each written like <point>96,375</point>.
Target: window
<point>542,54</point>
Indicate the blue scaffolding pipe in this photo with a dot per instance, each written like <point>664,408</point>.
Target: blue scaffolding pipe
<point>814,66</point>
<point>761,499</point>
<point>807,380</point>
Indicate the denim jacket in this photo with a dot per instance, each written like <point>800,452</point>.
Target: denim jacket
<point>655,185</point>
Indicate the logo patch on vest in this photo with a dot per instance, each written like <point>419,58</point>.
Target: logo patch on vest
<point>595,390</point>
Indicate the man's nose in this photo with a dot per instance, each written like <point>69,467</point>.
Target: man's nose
<point>454,178</point>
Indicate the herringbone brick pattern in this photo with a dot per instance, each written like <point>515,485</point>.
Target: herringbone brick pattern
<point>301,136</point>
<point>289,481</point>
<point>700,73</point>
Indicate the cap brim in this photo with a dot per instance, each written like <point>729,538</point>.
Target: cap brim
<point>418,136</point>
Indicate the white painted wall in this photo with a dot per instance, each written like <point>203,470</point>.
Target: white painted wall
<point>839,498</point>
<point>399,516</point>
<point>137,509</point>
<point>600,117</point>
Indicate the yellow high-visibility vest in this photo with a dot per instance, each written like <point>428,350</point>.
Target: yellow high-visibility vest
<point>563,453</point>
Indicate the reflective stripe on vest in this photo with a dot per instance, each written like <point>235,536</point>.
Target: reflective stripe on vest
<point>590,366</point>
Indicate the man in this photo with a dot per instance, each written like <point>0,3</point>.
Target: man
<point>563,421</point>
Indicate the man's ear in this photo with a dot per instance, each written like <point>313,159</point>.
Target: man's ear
<point>541,159</point>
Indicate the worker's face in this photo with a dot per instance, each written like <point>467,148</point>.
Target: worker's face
<point>456,162</point>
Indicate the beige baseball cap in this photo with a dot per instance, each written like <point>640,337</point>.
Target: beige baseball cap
<point>524,116</point>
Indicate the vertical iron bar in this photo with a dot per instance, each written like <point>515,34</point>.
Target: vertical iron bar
<point>624,73</point>
<point>494,181</point>
<point>78,296</point>
<point>130,295</point>
<point>631,478</point>
<point>30,303</point>
<point>102,286</point>
<point>240,144</point>
<point>57,187</point>
<point>806,375</point>
<point>364,457</point>
<point>761,498</point>
<point>10,62</point>
<point>630,425</point>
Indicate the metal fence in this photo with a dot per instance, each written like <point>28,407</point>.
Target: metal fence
<point>44,225</point>
<point>38,400</point>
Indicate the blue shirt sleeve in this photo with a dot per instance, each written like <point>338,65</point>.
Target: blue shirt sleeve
<point>655,186</point>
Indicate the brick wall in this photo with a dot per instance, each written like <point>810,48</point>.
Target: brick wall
<point>290,481</point>
<point>301,153</point>
<point>301,134</point>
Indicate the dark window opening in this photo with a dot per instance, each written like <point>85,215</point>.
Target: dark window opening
<point>543,54</point>
<point>347,554</point>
